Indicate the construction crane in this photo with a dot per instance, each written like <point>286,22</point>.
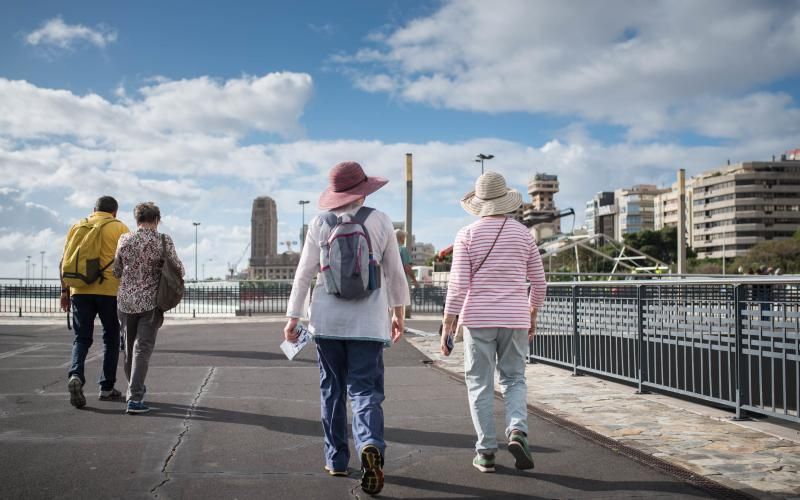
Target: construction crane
<point>529,221</point>
<point>543,218</point>
<point>232,267</point>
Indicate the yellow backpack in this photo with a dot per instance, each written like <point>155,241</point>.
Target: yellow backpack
<point>81,265</point>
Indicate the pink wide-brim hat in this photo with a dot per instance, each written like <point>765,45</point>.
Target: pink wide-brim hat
<point>347,182</point>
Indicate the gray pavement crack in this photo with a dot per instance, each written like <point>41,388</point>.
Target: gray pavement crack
<point>186,426</point>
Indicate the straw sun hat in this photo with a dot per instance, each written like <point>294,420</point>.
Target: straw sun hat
<point>491,196</point>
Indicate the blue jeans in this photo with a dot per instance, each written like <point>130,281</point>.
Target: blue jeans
<point>84,309</point>
<point>354,368</point>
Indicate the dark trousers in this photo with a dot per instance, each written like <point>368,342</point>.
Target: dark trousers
<point>354,368</point>
<point>84,310</point>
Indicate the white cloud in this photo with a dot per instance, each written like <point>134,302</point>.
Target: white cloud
<point>272,103</point>
<point>639,65</point>
<point>56,33</point>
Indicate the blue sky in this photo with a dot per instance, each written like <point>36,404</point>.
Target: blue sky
<point>201,106</point>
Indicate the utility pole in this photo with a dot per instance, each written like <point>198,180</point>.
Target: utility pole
<point>195,249</point>
<point>303,204</point>
<point>682,221</point>
<point>409,212</point>
<point>409,200</point>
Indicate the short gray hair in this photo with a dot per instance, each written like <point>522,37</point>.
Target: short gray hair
<point>146,212</point>
<point>399,233</point>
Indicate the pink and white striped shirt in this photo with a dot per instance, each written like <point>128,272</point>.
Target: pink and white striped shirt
<point>497,295</point>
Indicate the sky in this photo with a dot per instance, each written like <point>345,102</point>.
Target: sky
<point>202,106</point>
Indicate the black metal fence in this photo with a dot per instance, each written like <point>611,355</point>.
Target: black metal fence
<point>733,343</point>
<point>240,298</point>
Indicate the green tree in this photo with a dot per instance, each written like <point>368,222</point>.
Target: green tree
<point>783,254</point>
<point>661,244</point>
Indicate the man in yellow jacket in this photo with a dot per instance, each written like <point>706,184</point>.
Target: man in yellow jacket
<point>98,298</point>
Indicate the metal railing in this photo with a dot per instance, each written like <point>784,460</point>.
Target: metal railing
<point>210,298</point>
<point>732,342</point>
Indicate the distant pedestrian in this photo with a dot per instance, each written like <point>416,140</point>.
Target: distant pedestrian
<point>89,289</point>
<point>405,257</point>
<point>138,264</point>
<point>351,334</point>
<point>493,261</point>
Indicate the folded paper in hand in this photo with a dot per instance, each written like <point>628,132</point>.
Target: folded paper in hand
<point>292,349</point>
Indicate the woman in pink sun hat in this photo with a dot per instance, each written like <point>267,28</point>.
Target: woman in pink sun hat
<point>350,334</point>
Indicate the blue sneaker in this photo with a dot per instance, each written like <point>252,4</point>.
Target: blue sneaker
<point>135,407</point>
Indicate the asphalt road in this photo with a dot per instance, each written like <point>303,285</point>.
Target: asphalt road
<point>232,418</point>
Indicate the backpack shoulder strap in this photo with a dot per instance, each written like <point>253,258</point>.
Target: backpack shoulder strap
<point>361,217</point>
<point>331,219</point>
<point>362,214</point>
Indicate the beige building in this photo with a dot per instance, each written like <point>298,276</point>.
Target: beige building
<point>635,209</point>
<point>543,188</point>
<point>422,253</point>
<point>737,206</point>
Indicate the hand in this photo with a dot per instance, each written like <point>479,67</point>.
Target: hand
<point>288,330</point>
<point>443,341</point>
<point>532,329</point>
<point>449,324</point>
<point>65,303</point>
<point>398,326</point>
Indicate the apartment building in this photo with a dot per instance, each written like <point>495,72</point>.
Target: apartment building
<point>601,214</point>
<point>737,206</point>
<point>636,209</point>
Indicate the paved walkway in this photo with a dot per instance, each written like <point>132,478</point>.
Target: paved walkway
<point>234,419</point>
<point>761,457</point>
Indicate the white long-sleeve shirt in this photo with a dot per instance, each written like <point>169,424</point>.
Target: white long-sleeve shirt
<point>361,319</point>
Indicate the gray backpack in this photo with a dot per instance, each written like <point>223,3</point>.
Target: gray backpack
<point>347,263</point>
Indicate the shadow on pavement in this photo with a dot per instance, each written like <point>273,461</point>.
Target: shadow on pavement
<point>293,425</point>
<point>257,355</point>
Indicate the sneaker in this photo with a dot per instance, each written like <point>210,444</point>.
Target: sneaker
<point>112,395</point>
<point>484,462</point>
<point>518,446</point>
<point>76,397</point>
<point>371,470</point>
<point>135,407</point>
<point>336,473</point>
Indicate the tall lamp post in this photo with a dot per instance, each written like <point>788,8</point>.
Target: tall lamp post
<point>481,157</point>
<point>303,204</point>
<point>42,268</point>
<point>27,269</point>
<point>195,249</point>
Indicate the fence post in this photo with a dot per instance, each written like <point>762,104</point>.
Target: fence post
<point>640,340</point>
<point>738,303</point>
<point>576,358</point>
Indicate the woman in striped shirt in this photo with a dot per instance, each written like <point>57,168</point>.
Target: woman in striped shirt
<point>494,258</point>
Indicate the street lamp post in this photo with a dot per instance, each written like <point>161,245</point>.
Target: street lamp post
<point>195,249</point>
<point>42,268</point>
<point>303,204</point>
<point>481,157</point>
<point>27,269</point>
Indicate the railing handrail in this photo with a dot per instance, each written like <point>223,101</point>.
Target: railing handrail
<point>754,280</point>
